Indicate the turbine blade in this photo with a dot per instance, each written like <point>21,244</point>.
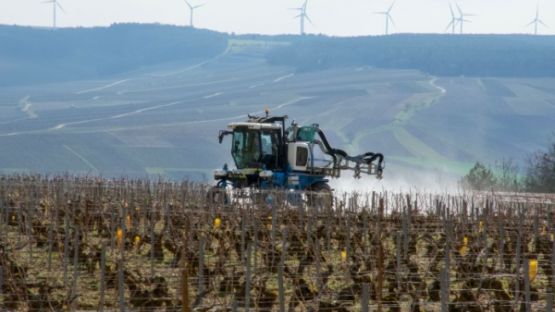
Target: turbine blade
<point>451,10</point>
<point>391,20</point>
<point>449,26</point>
<point>308,19</point>
<point>541,22</point>
<point>189,5</point>
<point>459,9</point>
<point>59,6</point>
<point>381,13</point>
<point>198,6</point>
<point>532,22</point>
<point>391,7</point>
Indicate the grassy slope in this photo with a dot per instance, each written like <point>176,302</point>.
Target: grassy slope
<point>164,120</point>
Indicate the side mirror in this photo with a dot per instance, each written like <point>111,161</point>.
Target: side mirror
<point>222,134</point>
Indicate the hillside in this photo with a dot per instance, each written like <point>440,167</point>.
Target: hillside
<point>162,118</point>
<point>33,55</point>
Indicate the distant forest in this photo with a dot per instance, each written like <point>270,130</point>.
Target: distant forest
<point>36,55</point>
<point>32,55</point>
<point>444,55</point>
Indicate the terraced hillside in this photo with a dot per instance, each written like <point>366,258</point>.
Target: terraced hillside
<point>164,119</point>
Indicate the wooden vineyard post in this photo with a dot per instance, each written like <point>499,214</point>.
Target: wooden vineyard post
<point>444,282</point>
<point>549,301</point>
<point>152,242</point>
<point>366,229</point>
<point>185,274</point>
<point>274,224</point>
<point>73,296</point>
<point>406,229</point>
<point>1,285</point>
<point>526,283</point>
<point>201,269</point>
<point>553,262</point>
<point>501,241</point>
<point>66,247</point>
<point>248,278</point>
<point>330,216</point>
<point>50,243</point>
<point>281,287</point>
<point>380,257</point>
<point>185,288</point>
<point>243,237</point>
<point>121,285</point>
<point>364,302</point>
<point>102,285</point>
<point>398,266</point>
<point>517,258</point>
<point>319,282</point>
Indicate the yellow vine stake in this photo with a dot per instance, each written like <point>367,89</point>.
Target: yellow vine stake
<point>463,251</point>
<point>119,237</point>
<point>532,269</point>
<point>217,223</point>
<point>128,223</point>
<point>481,226</point>
<point>344,255</point>
<point>136,241</point>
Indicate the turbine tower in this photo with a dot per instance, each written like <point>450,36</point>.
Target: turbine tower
<point>302,15</point>
<point>537,20</point>
<point>461,19</point>
<point>55,6</point>
<point>388,18</point>
<point>454,19</point>
<point>192,9</point>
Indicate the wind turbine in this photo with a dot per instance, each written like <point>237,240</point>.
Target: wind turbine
<point>55,6</point>
<point>454,20</point>
<point>302,15</point>
<point>192,9</point>
<point>388,18</point>
<point>461,19</point>
<point>537,20</point>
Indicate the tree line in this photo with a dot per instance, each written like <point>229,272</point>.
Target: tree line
<point>538,176</point>
<point>30,54</point>
<point>443,55</point>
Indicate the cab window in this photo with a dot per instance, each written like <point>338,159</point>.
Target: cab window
<point>246,149</point>
<point>270,150</point>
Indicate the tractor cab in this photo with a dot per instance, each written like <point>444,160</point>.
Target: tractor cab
<point>256,146</point>
<point>258,150</point>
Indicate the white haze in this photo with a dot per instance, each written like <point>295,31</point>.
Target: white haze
<point>399,182</point>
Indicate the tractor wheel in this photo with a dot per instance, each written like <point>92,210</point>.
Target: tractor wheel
<point>320,195</point>
<point>217,196</point>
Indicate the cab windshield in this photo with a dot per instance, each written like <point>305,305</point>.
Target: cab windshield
<point>246,149</point>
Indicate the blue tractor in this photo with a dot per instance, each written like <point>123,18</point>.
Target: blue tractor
<point>268,155</point>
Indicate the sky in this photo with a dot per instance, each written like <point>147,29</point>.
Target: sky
<point>329,17</point>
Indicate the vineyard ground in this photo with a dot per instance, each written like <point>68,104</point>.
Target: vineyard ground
<point>82,243</point>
